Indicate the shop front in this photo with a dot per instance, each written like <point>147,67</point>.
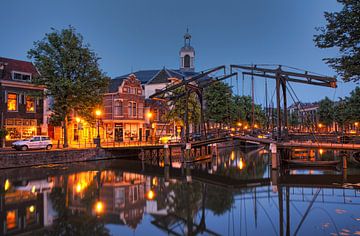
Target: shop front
<point>19,129</point>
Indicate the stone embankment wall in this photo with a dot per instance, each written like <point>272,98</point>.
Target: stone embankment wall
<point>33,158</point>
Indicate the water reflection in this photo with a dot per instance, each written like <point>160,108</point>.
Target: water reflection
<point>234,193</point>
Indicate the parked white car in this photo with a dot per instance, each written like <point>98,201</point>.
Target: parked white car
<point>36,142</point>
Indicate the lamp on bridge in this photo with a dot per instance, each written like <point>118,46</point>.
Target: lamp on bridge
<point>97,139</point>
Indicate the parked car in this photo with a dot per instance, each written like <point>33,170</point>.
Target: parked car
<point>36,142</point>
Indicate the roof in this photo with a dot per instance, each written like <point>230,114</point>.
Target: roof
<point>17,65</point>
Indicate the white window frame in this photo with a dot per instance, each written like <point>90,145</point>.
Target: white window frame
<point>22,73</point>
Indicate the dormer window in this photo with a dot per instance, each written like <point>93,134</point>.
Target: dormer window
<point>21,76</point>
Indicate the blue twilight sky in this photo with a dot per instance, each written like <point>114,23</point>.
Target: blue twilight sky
<point>130,35</point>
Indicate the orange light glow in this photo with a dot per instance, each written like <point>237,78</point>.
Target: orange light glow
<point>321,151</point>
<point>241,164</point>
<point>239,124</point>
<point>320,125</point>
<point>232,156</point>
<point>149,115</point>
<point>32,208</point>
<point>155,181</point>
<point>98,113</point>
<point>256,126</point>
<point>78,119</point>
<point>356,124</point>
<point>99,207</point>
<point>7,185</point>
<point>150,195</point>
<point>33,189</point>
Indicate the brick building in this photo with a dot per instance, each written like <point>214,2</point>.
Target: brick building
<point>22,104</point>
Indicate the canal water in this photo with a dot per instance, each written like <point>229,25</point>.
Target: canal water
<point>234,193</point>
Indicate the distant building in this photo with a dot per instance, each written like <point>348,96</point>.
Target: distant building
<point>22,103</point>
<point>306,113</point>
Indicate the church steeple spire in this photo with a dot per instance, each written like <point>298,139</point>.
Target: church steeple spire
<point>187,54</point>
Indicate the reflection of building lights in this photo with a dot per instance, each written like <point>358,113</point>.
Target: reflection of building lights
<point>33,189</point>
<point>7,185</point>
<point>32,208</point>
<point>241,164</point>
<point>99,207</point>
<point>232,156</point>
<point>150,195</point>
<point>321,151</point>
<point>155,181</point>
<point>78,188</point>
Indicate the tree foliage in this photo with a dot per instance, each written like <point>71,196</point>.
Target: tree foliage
<point>243,111</point>
<point>219,103</point>
<point>326,111</point>
<point>342,32</point>
<point>70,71</point>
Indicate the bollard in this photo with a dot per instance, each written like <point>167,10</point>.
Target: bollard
<point>187,151</point>
<point>188,175</point>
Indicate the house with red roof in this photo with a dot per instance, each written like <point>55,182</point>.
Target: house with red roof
<point>22,102</point>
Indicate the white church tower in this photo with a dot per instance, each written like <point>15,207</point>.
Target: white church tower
<point>187,54</point>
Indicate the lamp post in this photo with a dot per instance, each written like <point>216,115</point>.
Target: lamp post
<point>149,115</point>
<point>98,114</point>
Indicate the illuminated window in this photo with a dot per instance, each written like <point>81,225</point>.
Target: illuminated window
<point>12,101</point>
<point>11,220</point>
<point>30,215</point>
<point>30,104</point>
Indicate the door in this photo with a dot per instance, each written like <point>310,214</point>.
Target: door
<point>140,134</point>
<point>118,133</point>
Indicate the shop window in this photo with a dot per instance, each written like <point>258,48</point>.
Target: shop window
<point>11,220</point>
<point>30,104</point>
<point>12,102</point>
<point>31,215</point>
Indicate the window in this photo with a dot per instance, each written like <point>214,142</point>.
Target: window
<point>30,104</point>
<point>187,61</point>
<point>118,109</point>
<point>132,109</point>
<point>11,220</point>
<point>21,76</point>
<point>30,215</point>
<point>12,102</point>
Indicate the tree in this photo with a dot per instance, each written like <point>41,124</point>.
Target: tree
<point>219,103</point>
<point>354,105</point>
<point>326,111</point>
<point>341,115</point>
<point>243,111</point>
<point>342,31</point>
<point>70,71</point>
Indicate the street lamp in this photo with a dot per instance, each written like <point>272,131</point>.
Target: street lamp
<point>98,114</point>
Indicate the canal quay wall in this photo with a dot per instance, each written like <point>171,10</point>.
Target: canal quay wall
<point>15,159</point>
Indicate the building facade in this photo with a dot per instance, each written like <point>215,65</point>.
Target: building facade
<point>22,103</point>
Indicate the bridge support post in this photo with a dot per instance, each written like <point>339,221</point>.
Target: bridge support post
<point>188,174</point>
<point>274,156</point>
<point>167,175</point>
<point>166,155</point>
<point>344,162</point>
<point>187,151</point>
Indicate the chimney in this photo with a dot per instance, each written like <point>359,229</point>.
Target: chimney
<point>2,69</point>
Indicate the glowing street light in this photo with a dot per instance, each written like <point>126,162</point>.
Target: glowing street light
<point>7,185</point>
<point>77,119</point>
<point>239,124</point>
<point>98,114</point>
<point>149,115</point>
<point>241,164</point>
<point>99,207</point>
